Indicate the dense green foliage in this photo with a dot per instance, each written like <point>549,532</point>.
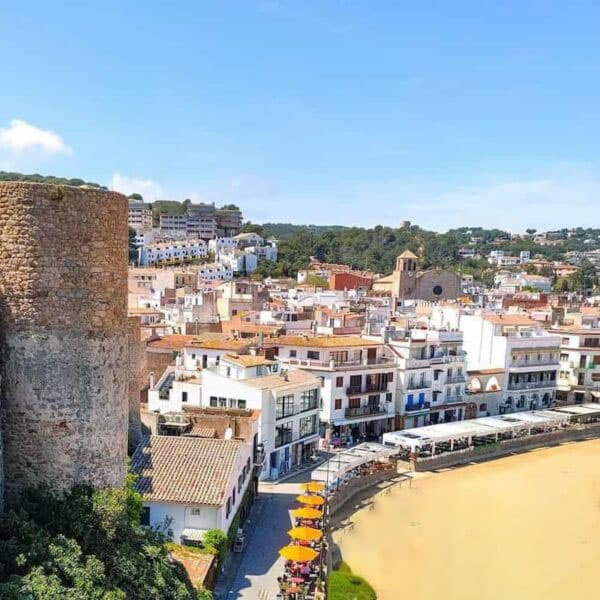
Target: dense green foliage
<point>37,178</point>
<point>85,545</point>
<point>343,585</point>
<point>376,248</point>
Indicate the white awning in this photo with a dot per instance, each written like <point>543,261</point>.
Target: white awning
<point>194,535</point>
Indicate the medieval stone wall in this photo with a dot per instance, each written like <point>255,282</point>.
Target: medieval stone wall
<point>64,347</point>
<point>137,380</point>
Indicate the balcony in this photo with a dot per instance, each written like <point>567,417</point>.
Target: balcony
<point>448,358</point>
<point>520,362</point>
<point>453,398</point>
<point>418,385</point>
<point>417,363</point>
<point>417,407</point>
<point>357,390</point>
<point>455,379</point>
<point>286,438</point>
<point>532,385</point>
<point>364,411</point>
<point>332,365</point>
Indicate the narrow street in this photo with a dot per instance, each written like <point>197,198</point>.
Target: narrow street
<point>260,565</point>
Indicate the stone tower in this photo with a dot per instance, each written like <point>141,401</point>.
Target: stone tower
<point>405,274</point>
<point>63,327</point>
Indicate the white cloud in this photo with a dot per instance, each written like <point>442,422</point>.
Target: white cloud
<point>149,189</point>
<point>21,136</point>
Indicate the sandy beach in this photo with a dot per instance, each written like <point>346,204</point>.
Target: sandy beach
<point>526,527</point>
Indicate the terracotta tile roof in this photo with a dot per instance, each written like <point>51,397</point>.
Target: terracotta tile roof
<point>248,360</point>
<point>291,379</point>
<point>515,320</point>
<point>221,343</point>
<point>188,470</point>
<point>202,431</point>
<point>172,342</point>
<point>329,341</point>
<point>485,372</point>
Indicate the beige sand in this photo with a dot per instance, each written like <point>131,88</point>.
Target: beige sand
<point>523,527</point>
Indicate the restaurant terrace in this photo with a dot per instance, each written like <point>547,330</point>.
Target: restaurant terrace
<point>447,437</point>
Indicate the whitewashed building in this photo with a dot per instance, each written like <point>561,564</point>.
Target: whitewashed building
<point>191,484</point>
<point>172,252</point>
<point>288,401</point>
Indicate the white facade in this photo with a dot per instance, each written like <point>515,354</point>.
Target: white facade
<point>579,371</point>
<point>214,272</point>
<point>527,353</point>
<point>172,252</point>
<point>359,383</point>
<point>139,215</point>
<point>180,520</point>
<point>221,243</point>
<point>288,403</point>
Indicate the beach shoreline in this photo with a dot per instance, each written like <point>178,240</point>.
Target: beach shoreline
<point>523,526</point>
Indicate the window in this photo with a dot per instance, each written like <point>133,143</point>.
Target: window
<point>313,355</point>
<point>228,508</point>
<point>213,401</point>
<point>564,356</point>
<point>339,382</point>
<point>308,399</point>
<point>283,434</point>
<point>292,354</point>
<point>248,467</point>
<point>184,396</point>
<point>222,402</point>
<point>241,403</point>
<point>388,397</point>
<point>195,512</point>
<point>354,402</point>
<point>241,479</point>
<point>284,406</point>
<point>233,496</point>
<point>483,407</point>
<point>308,426</point>
<point>146,516</point>
<point>337,404</point>
<point>389,377</point>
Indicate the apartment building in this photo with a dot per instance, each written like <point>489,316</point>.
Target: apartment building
<point>139,215</point>
<point>170,253</point>
<point>516,343</point>
<point>221,243</point>
<point>431,376</point>
<point>173,223</point>
<point>579,371</point>
<point>214,272</point>
<point>288,401</point>
<point>228,221</point>
<point>358,382</point>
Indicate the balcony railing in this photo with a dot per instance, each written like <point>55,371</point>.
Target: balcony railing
<point>417,363</point>
<point>357,390</point>
<point>456,379</point>
<point>534,363</point>
<point>417,406</point>
<point>285,438</point>
<point>451,399</point>
<point>418,385</point>
<point>364,411</point>
<point>531,385</point>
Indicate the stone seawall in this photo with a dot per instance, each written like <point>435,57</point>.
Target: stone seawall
<point>506,447</point>
<point>63,347</point>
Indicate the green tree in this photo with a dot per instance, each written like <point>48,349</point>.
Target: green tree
<point>136,196</point>
<point>85,544</point>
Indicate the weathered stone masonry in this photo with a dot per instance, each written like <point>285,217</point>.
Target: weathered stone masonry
<point>63,350</point>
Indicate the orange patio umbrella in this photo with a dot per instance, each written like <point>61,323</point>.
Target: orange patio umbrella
<point>307,534</point>
<point>298,553</point>
<point>311,500</point>
<point>313,486</point>
<point>307,513</point>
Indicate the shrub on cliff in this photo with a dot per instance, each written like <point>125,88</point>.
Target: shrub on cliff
<point>85,545</point>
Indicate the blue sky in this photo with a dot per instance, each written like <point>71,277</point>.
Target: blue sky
<point>347,112</point>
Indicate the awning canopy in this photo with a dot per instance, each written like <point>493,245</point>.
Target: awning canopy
<point>474,428</point>
<point>346,460</point>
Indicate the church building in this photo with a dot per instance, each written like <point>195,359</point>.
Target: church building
<point>408,282</point>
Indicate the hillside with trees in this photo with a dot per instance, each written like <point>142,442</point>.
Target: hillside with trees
<point>376,248</point>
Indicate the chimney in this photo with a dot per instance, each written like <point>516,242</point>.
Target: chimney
<point>152,380</point>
